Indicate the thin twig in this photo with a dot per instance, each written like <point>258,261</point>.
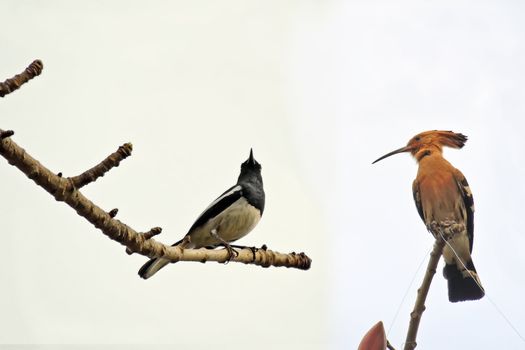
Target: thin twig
<point>111,161</point>
<point>18,80</point>
<point>64,190</point>
<point>389,346</point>
<point>419,307</point>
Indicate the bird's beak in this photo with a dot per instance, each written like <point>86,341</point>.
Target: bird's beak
<point>251,160</point>
<point>401,150</point>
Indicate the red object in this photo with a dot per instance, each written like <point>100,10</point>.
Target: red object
<point>374,339</point>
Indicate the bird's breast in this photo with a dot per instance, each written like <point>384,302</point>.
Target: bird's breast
<point>231,224</point>
<point>440,197</point>
<point>239,220</point>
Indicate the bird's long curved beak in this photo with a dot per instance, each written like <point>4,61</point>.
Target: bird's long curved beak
<point>401,150</point>
<point>251,160</point>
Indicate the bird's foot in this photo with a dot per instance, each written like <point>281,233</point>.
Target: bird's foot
<point>253,249</point>
<point>232,253</point>
<point>445,229</point>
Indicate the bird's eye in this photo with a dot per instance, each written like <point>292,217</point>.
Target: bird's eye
<point>417,138</point>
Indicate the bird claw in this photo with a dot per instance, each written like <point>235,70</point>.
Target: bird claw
<point>254,250</point>
<point>446,229</point>
<point>232,253</point>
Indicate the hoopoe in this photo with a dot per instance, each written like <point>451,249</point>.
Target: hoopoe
<point>443,198</point>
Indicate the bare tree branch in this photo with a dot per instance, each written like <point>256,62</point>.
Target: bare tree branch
<point>113,160</point>
<point>66,190</point>
<point>147,235</point>
<point>422,292</point>
<point>18,80</point>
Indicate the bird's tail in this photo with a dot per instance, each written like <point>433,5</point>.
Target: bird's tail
<point>463,284</point>
<point>152,266</point>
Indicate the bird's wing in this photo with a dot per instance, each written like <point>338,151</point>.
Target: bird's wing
<point>217,206</point>
<point>468,199</point>
<point>417,200</point>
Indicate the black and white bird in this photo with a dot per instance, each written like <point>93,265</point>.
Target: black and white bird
<point>230,217</point>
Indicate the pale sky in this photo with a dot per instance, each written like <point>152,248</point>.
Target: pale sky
<point>319,89</point>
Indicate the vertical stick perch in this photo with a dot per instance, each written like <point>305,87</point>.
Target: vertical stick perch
<point>419,307</point>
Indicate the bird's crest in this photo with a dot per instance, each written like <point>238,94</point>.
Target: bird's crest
<point>423,143</point>
<point>438,138</point>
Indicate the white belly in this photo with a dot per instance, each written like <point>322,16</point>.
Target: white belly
<point>232,224</point>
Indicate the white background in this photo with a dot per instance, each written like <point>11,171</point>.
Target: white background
<point>319,90</point>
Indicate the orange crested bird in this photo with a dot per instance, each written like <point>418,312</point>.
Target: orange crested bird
<point>443,197</point>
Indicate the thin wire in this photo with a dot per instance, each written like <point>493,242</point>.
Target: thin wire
<point>406,292</point>
<point>476,280</point>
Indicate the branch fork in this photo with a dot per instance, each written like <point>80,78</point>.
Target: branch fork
<point>147,235</point>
